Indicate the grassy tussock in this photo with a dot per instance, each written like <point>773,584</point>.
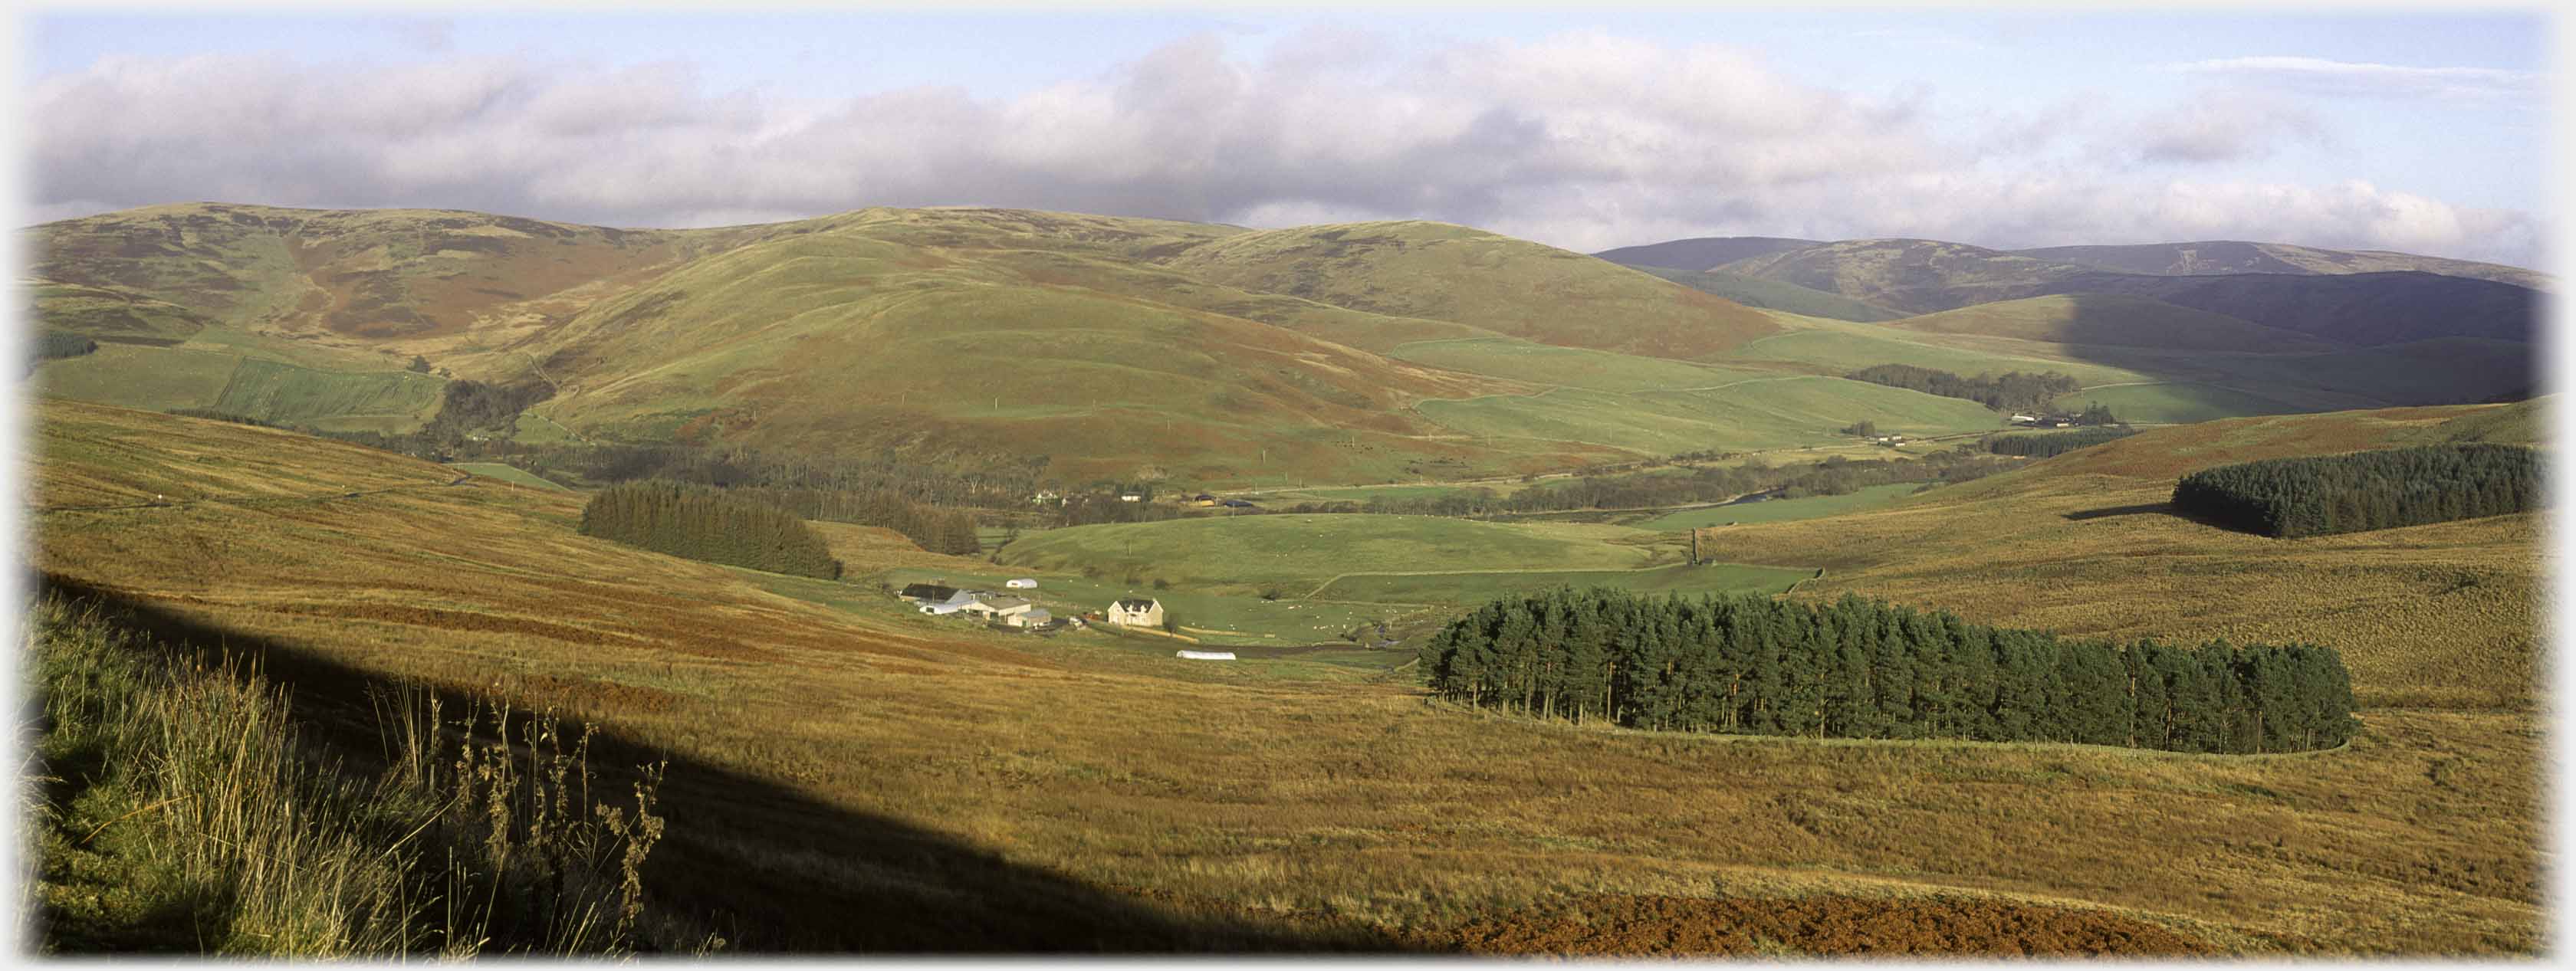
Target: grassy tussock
<point>182,808</point>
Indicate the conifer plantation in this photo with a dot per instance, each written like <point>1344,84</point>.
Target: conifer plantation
<point>704,523</point>
<point>1867,669</point>
<point>2041,445</point>
<point>2365,490</point>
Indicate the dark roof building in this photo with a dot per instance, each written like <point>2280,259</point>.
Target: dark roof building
<point>932,592</point>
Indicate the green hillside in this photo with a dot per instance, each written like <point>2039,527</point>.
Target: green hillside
<point>2220,257</point>
<point>2113,320</point>
<point>1754,413</point>
<point>1443,272</point>
<point>1774,294</point>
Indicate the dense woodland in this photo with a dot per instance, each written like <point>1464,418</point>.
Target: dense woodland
<point>53,344</point>
<point>1865,669</point>
<point>2013,390</point>
<point>706,523</point>
<point>2041,445</point>
<point>2365,490</point>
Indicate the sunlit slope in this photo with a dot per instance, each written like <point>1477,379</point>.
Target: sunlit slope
<point>794,707</point>
<point>1444,272</point>
<point>2082,543</point>
<point>2111,320</point>
<point>419,279</point>
<point>1773,294</point>
<point>1776,411</point>
<point>842,340</point>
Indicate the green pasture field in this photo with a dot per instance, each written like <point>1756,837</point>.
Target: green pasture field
<point>1476,588</point>
<point>1784,510</point>
<point>1569,367</point>
<point>1754,413</point>
<point>2175,403</point>
<point>138,376</point>
<point>1298,552</point>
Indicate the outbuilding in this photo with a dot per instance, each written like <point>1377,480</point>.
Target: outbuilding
<point>1023,583</point>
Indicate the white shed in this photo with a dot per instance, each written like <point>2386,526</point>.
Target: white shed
<point>1023,583</point>
<point>1207,655</point>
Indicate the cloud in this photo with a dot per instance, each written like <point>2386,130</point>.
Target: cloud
<point>2215,126</point>
<point>1583,140</point>
<point>2317,76</point>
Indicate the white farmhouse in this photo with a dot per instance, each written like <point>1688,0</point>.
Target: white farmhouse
<point>1136,612</point>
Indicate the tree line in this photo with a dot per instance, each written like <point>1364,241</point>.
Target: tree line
<point>2382,489</point>
<point>706,523</point>
<point>2044,444</point>
<point>1867,669</point>
<point>2012,390</point>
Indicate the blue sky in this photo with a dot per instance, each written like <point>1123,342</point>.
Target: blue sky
<point>2001,127</point>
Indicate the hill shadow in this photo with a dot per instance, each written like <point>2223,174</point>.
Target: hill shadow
<point>771,869</point>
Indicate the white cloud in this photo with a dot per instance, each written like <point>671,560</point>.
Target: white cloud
<point>1583,140</point>
<point>2222,125</point>
<point>2319,76</point>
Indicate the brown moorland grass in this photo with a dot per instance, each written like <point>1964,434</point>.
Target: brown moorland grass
<point>1348,804</point>
<point>2442,615</point>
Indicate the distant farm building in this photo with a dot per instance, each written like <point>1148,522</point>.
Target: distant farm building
<point>1203,499</point>
<point>1207,655</point>
<point>1023,583</point>
<point>1032,617</point>
<point>1131,497</point>
<point>2025,419</point>
<point>956,601</point>
<point>1136,612</point>
<point>927,592</point>
<point>998,608</point>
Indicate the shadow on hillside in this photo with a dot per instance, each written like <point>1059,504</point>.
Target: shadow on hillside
<point>2141,509</point>
<point>774,870</point>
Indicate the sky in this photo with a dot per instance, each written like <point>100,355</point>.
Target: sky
<point>2405,130</point>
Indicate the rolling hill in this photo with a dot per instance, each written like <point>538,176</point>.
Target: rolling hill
<point>975,790</point>
<point>1704,253</point>
<point>1103,347</point>
<point>2223,257</point>
<point>2112,320</point>
<point>1453,273</point>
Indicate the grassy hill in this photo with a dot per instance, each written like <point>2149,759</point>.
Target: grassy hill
<point>1701,253</point>
<point>2113,320</point>
<point>1774,295</point>
<point>1453,273</point>
<point>1302,551</point>
<point>985,791</point>
<point>2353,308</point>
<point>1103,347</point>
<point>2220,257</point>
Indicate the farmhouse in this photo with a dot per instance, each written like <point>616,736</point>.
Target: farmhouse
<point>1136,612</point>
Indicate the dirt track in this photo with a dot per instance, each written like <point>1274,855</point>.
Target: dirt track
<point>1616,925</point>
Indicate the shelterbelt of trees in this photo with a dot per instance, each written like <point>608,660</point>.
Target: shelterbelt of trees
<point>2008,391</point>
<point>2382,489</point>
<point>2040,445</point>
<point>706,523</point>
<point>1865,669</point>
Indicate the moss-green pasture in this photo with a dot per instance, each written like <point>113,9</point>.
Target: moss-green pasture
<point>1475,588</point>
<point>1784,510</point>
<point>1299,552</point>
<point>506,473</point>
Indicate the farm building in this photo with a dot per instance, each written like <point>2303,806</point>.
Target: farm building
<point>956,601</point>
<point>998,608</point>
<point>1023,583</point>
<point>1032,617</point>
<point>1136,612</point>
<point>2025,419</point>
<point>1207,655</point>
<point>1203,499</point>
<point>927,592</point>
<point>1131,497</point>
